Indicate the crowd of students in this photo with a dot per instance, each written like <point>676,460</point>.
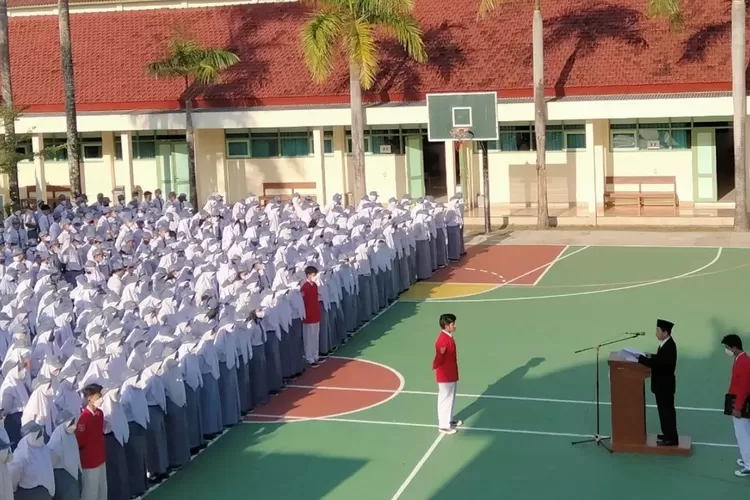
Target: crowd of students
<point>167,324</point>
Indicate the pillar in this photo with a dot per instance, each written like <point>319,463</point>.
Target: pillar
<point>108,158</point>
<point>320,165</point>
<point>450,169</point>
<point>125,179</point>
<point>597,147</point>
<point>342,166</point>
<point>37,144</point>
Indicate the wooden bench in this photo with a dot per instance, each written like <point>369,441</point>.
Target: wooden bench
<point>52,195</point>
<point>285,190</point>
<point>634,190</point>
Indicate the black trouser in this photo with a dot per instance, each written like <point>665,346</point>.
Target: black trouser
<point>667,416</point>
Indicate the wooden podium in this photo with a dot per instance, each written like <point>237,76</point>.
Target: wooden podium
<point>627,386</point>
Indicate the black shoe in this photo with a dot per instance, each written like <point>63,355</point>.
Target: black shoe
<point>660,437</point>
<point>667,442</point>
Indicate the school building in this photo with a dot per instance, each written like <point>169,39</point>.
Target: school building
<point>636,112</point>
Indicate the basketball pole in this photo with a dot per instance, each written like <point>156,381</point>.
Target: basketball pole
<point>486,182</point>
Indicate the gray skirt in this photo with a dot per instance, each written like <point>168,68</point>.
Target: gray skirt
<point>441,248</point>
<point>297,349</point>
<point>157,458</point>
<point>273,361</point>
<point>211,419</point>
<point>229,395</point>
<point>178,446</point>
<point>413,265</point>
<point>433,254</point>
<point>403,273</point>
<point>193,414</point>
<point>38,493</point>
<point>66,486</point>
<point>325,334</point>
<point>285,354</point>
<point>243,384</point>
<point>118,487</point>
<point>258,377</point>
<point>454,242</point>
<point>424,269</point>
<point>135,453</point>
<point>340,323</point>
<point>374,293</point>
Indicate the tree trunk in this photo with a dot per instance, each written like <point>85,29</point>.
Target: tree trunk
<point>7,93</point>
<point>739,99</point>
<point>540,116</point>
<point>73,142</point>
<point>190,139</point>
<point>358,132</point>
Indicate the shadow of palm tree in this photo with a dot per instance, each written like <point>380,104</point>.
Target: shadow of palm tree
<point>590,27</point>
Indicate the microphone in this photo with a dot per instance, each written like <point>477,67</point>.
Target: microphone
<point>637,334</point>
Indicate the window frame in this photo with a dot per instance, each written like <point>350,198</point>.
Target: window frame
<point>563,127</point>
<point>634,128</point>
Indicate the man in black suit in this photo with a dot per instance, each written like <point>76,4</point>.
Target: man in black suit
<point>663,383</point>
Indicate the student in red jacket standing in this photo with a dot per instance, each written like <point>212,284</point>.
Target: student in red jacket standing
<point>739,390</point>
<point>90,436</point>
<point>311,323</point>
<point>445,365</point>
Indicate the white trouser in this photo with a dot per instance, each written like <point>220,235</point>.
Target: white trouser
<point>311,340</point>
<point>95,483</point>
<point>742,432</point>
<point>446,398</point>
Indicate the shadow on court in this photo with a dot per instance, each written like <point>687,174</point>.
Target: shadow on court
<point>534,466</point>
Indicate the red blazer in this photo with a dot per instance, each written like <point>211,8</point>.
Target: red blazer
<point>740,383</point>
<point>312,305</point>
<point>445,363</point>
<point>90,436</point>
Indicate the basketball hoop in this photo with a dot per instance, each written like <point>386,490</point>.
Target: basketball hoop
<point>461,135</point>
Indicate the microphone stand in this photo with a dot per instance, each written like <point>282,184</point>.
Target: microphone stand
<point>597,437</point>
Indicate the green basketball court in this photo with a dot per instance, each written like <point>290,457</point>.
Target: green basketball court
<point>523,395</point>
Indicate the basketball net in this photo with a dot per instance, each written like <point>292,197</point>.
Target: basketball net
<point>460,135</point>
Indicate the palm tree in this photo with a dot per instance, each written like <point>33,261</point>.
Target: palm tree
<point>73,140</point>
<point>656,8</point>
<point>7,94</point>
<point>195,65</point>
<point>349,26</point>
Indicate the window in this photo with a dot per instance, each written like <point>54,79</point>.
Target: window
<point>25,149</point>
<point>647,135</point>
<point>380,141</point>
<point>295,144</point>
<point>264,145</point>
<point>368,143</point>
<point>92,148</point>
<point>55,149</point>
<point>560,137</point>
<point>328,142</point>
<point>144,147</point>
<point>118,148</point>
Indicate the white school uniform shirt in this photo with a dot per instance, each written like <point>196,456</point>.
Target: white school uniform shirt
<point>226,348</point>
<point>6,457</point>
<point>174,384</point>
<point>63,447</point>
<point>154,387</point>
<point>190,364</point>
<point>134,404</point>
<point>32,467</point>
<point>115,420</point>
<point>209,362</point>
<point>14,395</point>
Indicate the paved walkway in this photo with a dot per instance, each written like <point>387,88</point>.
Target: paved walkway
<point>614,238</point>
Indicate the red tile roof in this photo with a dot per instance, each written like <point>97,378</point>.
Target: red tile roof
<point>592,48</point>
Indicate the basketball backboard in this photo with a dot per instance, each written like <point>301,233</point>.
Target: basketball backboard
<point>474,110</point>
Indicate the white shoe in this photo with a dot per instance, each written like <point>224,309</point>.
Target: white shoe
<point>456,423</point>
<point>448,431</point>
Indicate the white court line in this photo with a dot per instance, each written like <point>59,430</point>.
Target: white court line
<point>506,242</point>
<point>577,294</point>
<point>501,285</point>
<point>549,266</point>
<point>487,429</point>
<point>419,465</point>
<point>491,396</point>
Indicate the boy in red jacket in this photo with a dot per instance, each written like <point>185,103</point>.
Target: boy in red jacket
<point>90,436</point>
<point>445,365</point>
<point>739,387</point>
<point>311,323</point>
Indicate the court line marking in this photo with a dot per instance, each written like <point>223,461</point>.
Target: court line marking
<point>546,270</point>
<point>576,294</point>
<point>557,258</point>
<point>418,467</point>
<point>489,429</point>
<point>506,242</point>
<point>393,394</point>
<point>492,396</point>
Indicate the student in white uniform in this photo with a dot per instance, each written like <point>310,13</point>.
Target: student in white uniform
<point>66,460</point>
<point>31,470</point>
<point>6,456</point>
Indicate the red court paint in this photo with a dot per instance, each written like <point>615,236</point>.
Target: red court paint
<point>497,264</point>
<point>337,387</point>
